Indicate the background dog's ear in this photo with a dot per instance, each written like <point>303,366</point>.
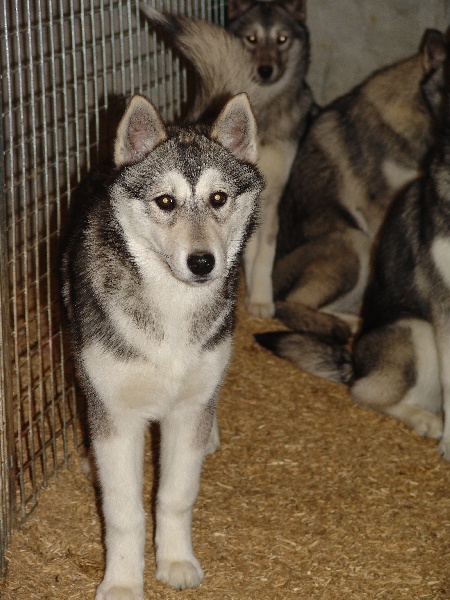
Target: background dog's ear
<point>235,129</point>
<point>296,8</point>
<point>237,7</point>
<point>139,131</point>
<point>434,49</point>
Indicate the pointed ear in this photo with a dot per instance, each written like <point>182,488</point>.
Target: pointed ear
<point>235,129</point>
<point>140,131</point>
<point>296,8</point>
<point>238,7</point>
<point>434,49</point>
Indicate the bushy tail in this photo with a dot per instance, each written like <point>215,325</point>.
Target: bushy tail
<point>320,356</point>
<point>222,62</point>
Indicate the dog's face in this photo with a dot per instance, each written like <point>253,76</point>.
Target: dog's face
<point>191,201</point>
<point>274,38</point>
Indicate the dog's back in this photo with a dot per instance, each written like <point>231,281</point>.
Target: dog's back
<point>364,148</point>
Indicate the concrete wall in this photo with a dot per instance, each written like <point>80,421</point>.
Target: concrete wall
<point>351,38</point>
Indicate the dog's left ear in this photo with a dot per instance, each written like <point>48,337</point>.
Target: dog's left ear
<point>140,131</point>
<point>235,129</point>
<point>296,8</point>
<point>238,7</point>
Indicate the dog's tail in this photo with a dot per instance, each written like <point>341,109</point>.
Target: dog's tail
<point>320,356</point>
<point>222,62</point>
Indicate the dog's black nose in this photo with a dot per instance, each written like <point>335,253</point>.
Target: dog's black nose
<point>201,263</point>
<point>265,71</point>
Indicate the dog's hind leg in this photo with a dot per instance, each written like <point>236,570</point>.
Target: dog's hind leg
<point>397,372</point>
<point>320,278</point>
<point>119,457</point>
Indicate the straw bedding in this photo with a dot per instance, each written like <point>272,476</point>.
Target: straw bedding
<point>308,497</point>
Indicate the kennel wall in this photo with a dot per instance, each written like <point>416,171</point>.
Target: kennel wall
<point>67,69</point>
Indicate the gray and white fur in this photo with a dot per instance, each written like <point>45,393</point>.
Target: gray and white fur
<point>401,356</point>
<point>359,154</point>
<point>266,56</point>
<point>149,272</point>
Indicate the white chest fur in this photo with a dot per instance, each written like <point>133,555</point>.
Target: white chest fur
<point>440,252</point>
<point>172,365</point>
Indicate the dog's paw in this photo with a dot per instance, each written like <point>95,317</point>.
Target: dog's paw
<point>116,592</point>
<point>261,310</point>
<point>429,427</point>
<point>180,574</point>
<point>444,448</point>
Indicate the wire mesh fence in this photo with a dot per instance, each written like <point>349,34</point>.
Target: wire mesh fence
<point>67,67</point>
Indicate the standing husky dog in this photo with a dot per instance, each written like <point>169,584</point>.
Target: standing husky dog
<point>267,58</point>
<point>360,152</point>
<point>402,354</point>
<point>149,285</point>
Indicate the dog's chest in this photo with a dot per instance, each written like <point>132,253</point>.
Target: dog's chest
<point>153,386</point>
<point>170,362</point>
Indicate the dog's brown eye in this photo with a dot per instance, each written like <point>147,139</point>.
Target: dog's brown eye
<point>218,199</point>
<point>282,39</point>
<point>251,39</point>
<point>165,202</point>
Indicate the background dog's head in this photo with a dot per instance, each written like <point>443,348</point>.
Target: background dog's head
<point>274,33</point>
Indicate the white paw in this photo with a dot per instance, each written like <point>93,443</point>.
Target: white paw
<point>430,427</point>
<point>180,574</point>
<point>116,592</point>
<point>444,448</point>
<point>262,310</point>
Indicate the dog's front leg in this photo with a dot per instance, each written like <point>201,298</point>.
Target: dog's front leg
<point>275,161</point>
<point>119,457</point>
<point>182,453</point>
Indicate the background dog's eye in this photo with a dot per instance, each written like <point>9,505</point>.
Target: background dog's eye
<point>218,199</point>
<point>282,39</point>
<point>165,202</point>
<point>251,39</point>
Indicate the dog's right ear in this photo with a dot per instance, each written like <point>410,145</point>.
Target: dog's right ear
<point>140,131</point>
<point>238,7</point>
<point>235,129</point>
<point>296,8</point>
<point>434,49</point>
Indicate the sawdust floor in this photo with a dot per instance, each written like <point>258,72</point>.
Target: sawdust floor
<point>309,497</point>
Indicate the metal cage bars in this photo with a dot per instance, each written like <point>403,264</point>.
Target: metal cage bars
<point>67,66</point>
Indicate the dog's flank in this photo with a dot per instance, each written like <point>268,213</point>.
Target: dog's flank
<point>149,273</point>
<point>359,153</point>
<point>274,80</point>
